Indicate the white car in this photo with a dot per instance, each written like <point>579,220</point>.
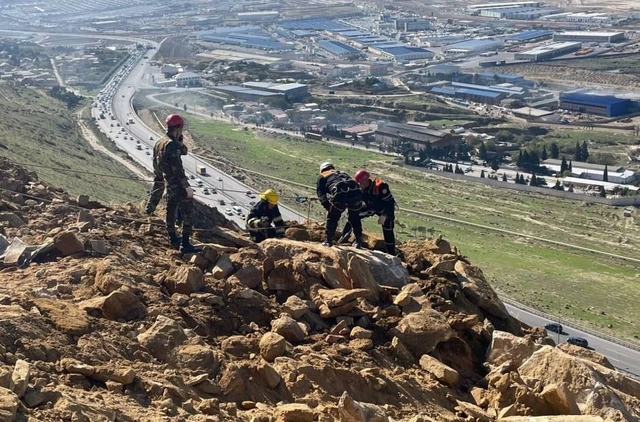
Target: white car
<point>228,211</point>
<point>199,182</point>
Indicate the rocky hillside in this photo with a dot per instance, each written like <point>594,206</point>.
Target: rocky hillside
<point>100,321</point>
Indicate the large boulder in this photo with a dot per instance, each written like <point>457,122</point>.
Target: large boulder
<point>119,304</point>
<point>272,346</point>
<point>289,328</point>
<point>505,347</point>
<point>603,391</point>
<point>294,412</point>
<point>249,276</point>
<point>184,279</point>
<point>479,291</point>
<point>439,370</point>
<point>353,411</point>
<point>8,405</point>
<point>421,331</point>
<point>162,337</point>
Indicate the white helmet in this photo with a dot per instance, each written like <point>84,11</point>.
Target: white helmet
<point>326,166</point>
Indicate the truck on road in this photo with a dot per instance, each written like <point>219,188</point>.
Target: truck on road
<point>202,170</point>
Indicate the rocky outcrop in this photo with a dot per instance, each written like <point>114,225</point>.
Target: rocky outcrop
<point>287,330</point>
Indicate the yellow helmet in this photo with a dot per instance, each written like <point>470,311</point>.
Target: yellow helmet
<point>270,196</point>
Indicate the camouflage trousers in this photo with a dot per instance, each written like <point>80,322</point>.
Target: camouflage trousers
<point>154,196</point>
<point>178,202</point>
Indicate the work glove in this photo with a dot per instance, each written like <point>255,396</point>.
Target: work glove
<point>264,222</point>
<point>367,213</point>
<point>382,219</point>
<point>190,193</point>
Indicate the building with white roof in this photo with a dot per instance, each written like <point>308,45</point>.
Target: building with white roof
<point>588,36</point>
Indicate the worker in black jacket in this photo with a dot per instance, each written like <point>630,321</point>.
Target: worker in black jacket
<point>337,192</point>
<point>263,215</point>
<point>379,200</point>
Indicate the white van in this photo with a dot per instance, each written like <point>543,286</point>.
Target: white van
<point>199,182</point>
<point>237,210</point>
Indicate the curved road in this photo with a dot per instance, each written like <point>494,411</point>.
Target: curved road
<point>621,357</point>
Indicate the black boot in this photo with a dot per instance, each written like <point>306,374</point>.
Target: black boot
<point>187,247</point>
<point>174,239</point>
<point>391,249</point>
<point>358,243</point>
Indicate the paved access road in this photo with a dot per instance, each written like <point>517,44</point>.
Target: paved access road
<point>621,357</point>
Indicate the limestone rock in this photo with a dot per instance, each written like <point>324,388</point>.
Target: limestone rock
<point>505,347</point>
<point>249,276</point>
<point>223,268</point>
<point>472,410</point>
<point>361,333</point>
<point>12,219</point>
<point>353,411</point>
<point>184,279</point>
<point>67,243</point>
<point>334,298</point>
<point>8,405</point>
<point>584,353</point>
<point>67,317</point>
<point>421,331</point>
<point>572,418</point>
<point>20,377</point>
<point>479,291</point>
<point>272,345</point>
<point>400,351</point>
<point>289,328</point>
<point>269,375</point>
<point>560,399</point>
<point>240,346</point>
<point>73,366</point>
<point>198,358</point>
<point>295,307</point>
<point>439,370</point>
<point>335,277</point>
<point>210,253</point>
<point>162,337</point>
<point>294,412</point>
<point>106,373</point>
<point>120,304</point>
<point>283,278</point>
<point>361,278</point>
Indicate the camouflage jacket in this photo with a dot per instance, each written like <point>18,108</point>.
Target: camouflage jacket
<point>167,162</point>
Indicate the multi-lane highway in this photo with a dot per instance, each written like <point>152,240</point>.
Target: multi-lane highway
<point>133,136</point>
<point>139,144</point>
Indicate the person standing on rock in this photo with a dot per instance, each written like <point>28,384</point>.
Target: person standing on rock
<point>378,198</point>
<point>263,215</point>
<point>337,192</point>
<point>169,173</point>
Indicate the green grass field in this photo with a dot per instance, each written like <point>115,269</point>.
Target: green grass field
<point>40,131</point>
<point>591,289</point>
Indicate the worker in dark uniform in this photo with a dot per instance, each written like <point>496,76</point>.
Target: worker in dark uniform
<point>263,215</point>
<point>338,192</point>
<point>379,200</point>
<point>167,161</point>
<point>158,179</point>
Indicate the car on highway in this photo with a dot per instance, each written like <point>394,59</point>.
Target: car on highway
<point>252,203</point>
<point>151,138</point>
<point>237,210</point>
<point>578,341</point>
<point>556,328</point>
<point>147,152</point>
<point>228,211</point>
<point>191,176</point>
<point>221,202</point>
<point>205,191</point>
<point>219,178</point>
<point>199,182</point>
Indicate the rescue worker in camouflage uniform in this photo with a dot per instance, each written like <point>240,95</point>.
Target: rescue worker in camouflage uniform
<point>379,200</point>
<point>338,192</point>
<point>263,215</point>
<point>169,173</point>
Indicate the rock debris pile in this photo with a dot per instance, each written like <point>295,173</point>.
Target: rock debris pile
<point>100,321</point>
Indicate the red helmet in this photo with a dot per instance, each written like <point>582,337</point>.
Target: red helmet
<point>173,120</point>
<point>361,175</point>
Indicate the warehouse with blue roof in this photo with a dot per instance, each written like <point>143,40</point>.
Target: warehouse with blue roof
<point>532,35</point>
<point>601,105</point>
<point>339,49</point>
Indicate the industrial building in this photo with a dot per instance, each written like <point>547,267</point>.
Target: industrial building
<point>584,36</point>
<point>339,49</point>
<point>402,53</point>
<point>478,7</point>
<point>188,79</point>
<point>258,16</point>
<point>393,134</point>
<point>601,105</point>
<point>443,69</point>
<point>589,171</point>
<point>409,25</point>
<point>549,51</point>
<point>476,95</point>
<point>291,91</point>
<point>521,13</point>
<point>528,36</point>
<point>246,37</point>
<point>472,46</point>
<point>242,93</point>
<point>583,17</point>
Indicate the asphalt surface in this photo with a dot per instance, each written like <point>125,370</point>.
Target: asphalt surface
<point>234,191</point>
<point>621,357</point>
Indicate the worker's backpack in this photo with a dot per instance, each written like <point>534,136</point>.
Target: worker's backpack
<point>343,189</point>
